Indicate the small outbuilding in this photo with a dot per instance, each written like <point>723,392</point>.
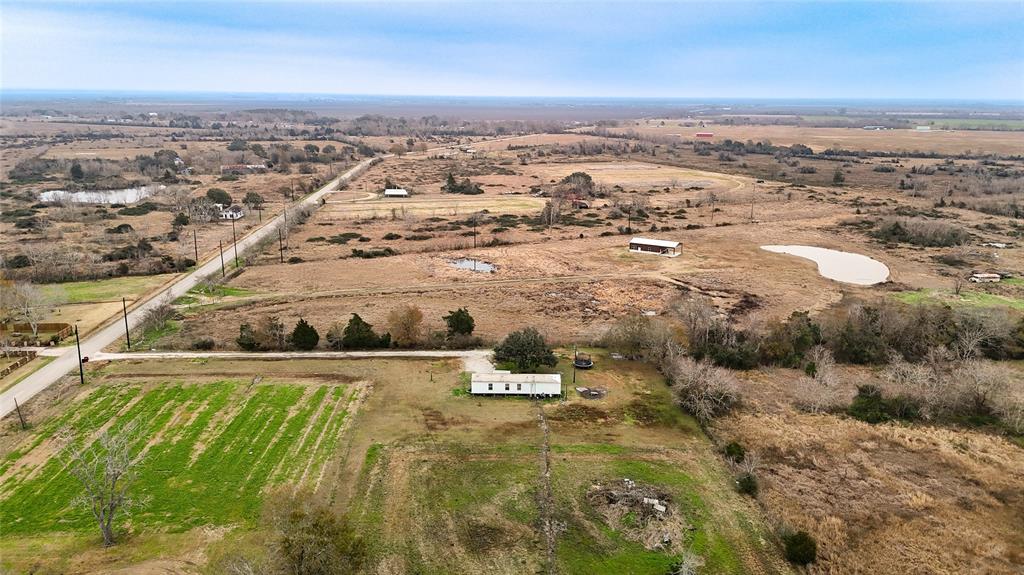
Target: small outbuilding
<point>233,212</point>
<point>396,193</point>
<point>528,384</point>
<point>666,248</point>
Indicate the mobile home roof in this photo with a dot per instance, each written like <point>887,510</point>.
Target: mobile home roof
<point>658,243</point>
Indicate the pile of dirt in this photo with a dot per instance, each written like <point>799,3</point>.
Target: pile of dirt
<point>642,513</point>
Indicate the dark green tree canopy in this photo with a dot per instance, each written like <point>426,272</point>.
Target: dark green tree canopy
<point>219,196</point>
<point>360,335</point>
<point>304,336</point>
<point>460,322</point>
<point>525,348</point>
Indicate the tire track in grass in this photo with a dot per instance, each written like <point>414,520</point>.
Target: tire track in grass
<point>280,455</point>
<point>309,438</point>
<point>546,497</point>
<point>328,444</point>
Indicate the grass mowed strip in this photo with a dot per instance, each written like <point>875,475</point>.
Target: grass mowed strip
<point>442,508</point>
<point>210,449</point>
<point>104,290</point>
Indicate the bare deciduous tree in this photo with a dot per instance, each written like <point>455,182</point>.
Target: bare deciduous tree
<point>404,324</point>
<point>702,389</point>
<point>106,469</point>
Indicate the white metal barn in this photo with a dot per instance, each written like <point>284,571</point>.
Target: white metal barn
<point>648,246</point>
<point>396,193</point>
<point>529,384</point>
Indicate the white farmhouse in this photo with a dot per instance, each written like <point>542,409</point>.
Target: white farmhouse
<point>396,193</point>
<point>529,384</point>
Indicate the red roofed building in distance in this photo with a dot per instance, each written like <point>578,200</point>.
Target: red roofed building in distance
<point>705,134</point>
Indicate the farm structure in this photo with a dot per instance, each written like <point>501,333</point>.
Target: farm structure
<point>705,134</point>
<point>396,193</point>
<point>649,246</point>
<point>504,383</point>
<point>243,169</point>
<point>232,213</point>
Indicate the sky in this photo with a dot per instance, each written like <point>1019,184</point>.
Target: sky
<point>825,49</point>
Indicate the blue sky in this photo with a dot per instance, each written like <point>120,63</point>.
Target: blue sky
<point>942,50</point>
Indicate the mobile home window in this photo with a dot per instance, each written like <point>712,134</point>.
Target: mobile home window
<point>519,387</point>
<point>506,387</point>
<point>490,387</point>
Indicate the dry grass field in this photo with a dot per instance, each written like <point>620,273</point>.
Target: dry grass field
<point>930,499</point>
<point>941,141</point>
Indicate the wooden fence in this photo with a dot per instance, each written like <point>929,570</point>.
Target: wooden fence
<point>24,356</point>
<point>20,334</point>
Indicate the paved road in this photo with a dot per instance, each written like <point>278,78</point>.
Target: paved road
<point>114,329</point>
<point>476,360</point>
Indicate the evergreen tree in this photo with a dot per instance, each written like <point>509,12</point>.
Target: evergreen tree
<point>304,336</point>
<point>460,322</point>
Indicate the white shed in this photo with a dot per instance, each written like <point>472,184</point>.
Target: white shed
<point>529,384</point>
<point>396,193</point>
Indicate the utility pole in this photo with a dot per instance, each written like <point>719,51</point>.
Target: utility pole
<point>752,198</point>
<point>221,244</point>
<point>127,334</point>
<point>260,210</point>
<point>474,233</point>
<point>574,356</point>
<point>195,242</point>
<point>234,241</point>
<point>78,345</point>
<point>280,244</point>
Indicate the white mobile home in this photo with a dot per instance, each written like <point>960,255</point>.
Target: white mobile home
<point>396,193</point>
<point>529,384</point>
<point>659,247</point>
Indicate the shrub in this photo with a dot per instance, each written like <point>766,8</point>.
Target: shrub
<point>180,219</point>
<point>139,210</point>
<point>120,229</point>
<point>203,344</point>
<point>746,484</point>
<point>800,548</point>
<point>392,236</point>
<point>357,334</point>
<point>871,406</point>
<point>311,538</point>
<point>920,232</point>
<point>370,254</point>
<point>459,322</point>
<point>702,389</point>
<point>735,452</point>
<point>525,348</point>
<point>246,338</point>
<point>304,336</point>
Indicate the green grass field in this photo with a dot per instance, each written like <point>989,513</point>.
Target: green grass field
<point>209,451</point>
<point>104,290</point>
<point>966,298</point>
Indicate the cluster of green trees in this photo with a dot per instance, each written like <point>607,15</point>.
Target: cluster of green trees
<point>269,335</point>
<point>451,186</point>
<point>404,330</point>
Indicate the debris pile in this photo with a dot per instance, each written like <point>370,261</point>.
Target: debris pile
<point>591,392</point>
<point>642,513</point>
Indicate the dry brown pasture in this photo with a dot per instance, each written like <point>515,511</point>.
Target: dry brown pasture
<point>569,280</point>
<point>885,498</point>
<point>941,141</point>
